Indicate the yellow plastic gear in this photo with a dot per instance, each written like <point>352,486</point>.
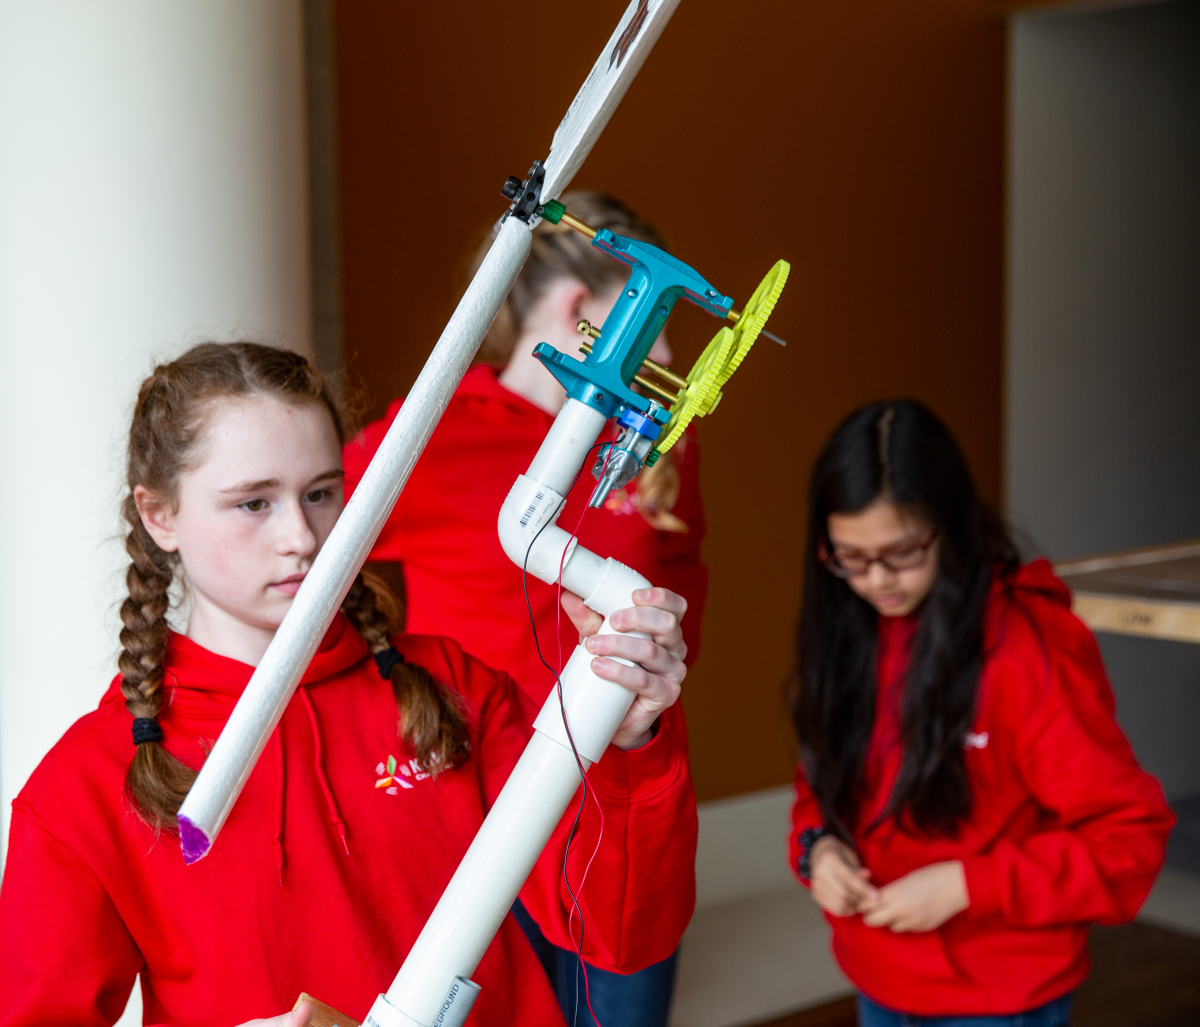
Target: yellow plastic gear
<point>754,316</point>
<point>722,357</point>
<point>702,390</point>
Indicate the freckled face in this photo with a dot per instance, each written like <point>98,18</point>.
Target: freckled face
<point>879,528</point>
<point>253,514</point>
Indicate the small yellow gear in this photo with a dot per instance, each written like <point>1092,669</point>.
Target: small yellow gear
<point>703,390</point>
<point>722,357</point>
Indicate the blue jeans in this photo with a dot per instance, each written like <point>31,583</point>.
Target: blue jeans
<point>642,999</point>
<point>1052,1014</point>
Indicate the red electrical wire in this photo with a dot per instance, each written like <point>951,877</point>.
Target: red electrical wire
<point>583,777</point>
<point>587,991</point>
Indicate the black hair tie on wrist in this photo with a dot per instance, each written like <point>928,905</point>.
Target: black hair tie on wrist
<point>808,839</point>
<point>386,659</point>
<point>146,729</point>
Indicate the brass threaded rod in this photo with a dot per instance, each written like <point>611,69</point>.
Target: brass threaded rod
<point>665,373</point>
<point>584,228</point>
<point>733,315</point>
<point>586,327</point>
<point>657,389</point>
<point>580,226</point>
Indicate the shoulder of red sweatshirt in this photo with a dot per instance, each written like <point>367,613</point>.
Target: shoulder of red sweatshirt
<point>443,530</point>
<point>330,862</point>
<point>1065,829</point>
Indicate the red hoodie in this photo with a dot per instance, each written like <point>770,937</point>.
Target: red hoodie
<point>443,530</point>
<point>1065,828</point>
<point>320,881</point>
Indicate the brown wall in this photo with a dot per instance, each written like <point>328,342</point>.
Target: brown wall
<point>860,139</point>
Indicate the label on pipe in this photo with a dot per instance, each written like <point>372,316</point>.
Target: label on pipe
<point>543,505</point>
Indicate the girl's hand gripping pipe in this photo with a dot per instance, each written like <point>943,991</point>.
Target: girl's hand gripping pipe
<point>650,667</point>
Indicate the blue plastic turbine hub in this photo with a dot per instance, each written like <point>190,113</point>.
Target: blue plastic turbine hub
<point>656,282</point>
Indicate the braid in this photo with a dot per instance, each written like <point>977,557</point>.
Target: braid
<point>431,722</point>
<point>156,782</point>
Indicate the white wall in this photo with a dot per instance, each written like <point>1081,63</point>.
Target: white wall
<point>742,851</point>
<point>1103,390</point>
<point>152,194</point>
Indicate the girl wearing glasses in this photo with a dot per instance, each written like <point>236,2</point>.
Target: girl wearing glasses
<point>966,804</point>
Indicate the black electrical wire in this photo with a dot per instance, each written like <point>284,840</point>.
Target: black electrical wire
<point>563,708</point>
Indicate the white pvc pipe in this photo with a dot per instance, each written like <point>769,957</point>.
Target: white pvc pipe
<point>262,704</point>
<point>488,879</point>
<point>602,90</point>
<point>594,707</point>
<point>566,444</point>
<point>537,793</point>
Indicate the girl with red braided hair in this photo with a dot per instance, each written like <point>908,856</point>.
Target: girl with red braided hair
<point>371,788</point>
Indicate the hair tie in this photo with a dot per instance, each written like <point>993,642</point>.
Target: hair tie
<point>386,659</point>
<point>146,729</point>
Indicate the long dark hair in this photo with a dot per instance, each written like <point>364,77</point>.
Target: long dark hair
<point>899,451</point>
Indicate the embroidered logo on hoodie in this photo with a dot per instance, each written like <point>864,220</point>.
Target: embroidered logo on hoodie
<point>394,775</point>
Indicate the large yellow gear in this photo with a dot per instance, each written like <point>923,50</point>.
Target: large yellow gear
<point>754,315</point>
<point>722,357</point>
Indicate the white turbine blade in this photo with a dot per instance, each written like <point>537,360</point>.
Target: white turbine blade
<point>275,679</point>
<point>618,63</point>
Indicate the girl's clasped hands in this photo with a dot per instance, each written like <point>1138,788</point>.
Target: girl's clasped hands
<point>922,900</point>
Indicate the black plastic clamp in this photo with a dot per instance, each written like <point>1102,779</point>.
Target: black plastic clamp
<point>526,195</point>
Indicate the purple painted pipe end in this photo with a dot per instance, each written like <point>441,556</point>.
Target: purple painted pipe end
<point>195,843</point>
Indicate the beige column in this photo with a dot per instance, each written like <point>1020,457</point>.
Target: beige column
<point>153,193</point>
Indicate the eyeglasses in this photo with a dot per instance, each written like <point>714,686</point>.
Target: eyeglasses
<point>901,557</point>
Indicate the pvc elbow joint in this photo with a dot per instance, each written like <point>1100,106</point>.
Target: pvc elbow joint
<point>527,529</point>
<point>533,541</point>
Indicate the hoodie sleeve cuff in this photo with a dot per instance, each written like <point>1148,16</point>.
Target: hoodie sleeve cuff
<point>641,772</point>
<point>983,885</point>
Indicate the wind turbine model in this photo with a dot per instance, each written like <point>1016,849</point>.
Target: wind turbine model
<point>433,988</point>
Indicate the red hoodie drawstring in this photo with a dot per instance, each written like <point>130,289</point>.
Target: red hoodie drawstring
<point>277,739</point>
<point>319,760</point>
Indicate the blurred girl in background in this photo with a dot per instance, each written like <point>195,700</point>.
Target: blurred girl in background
<point>442,532</point>
<point>966,804</point>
